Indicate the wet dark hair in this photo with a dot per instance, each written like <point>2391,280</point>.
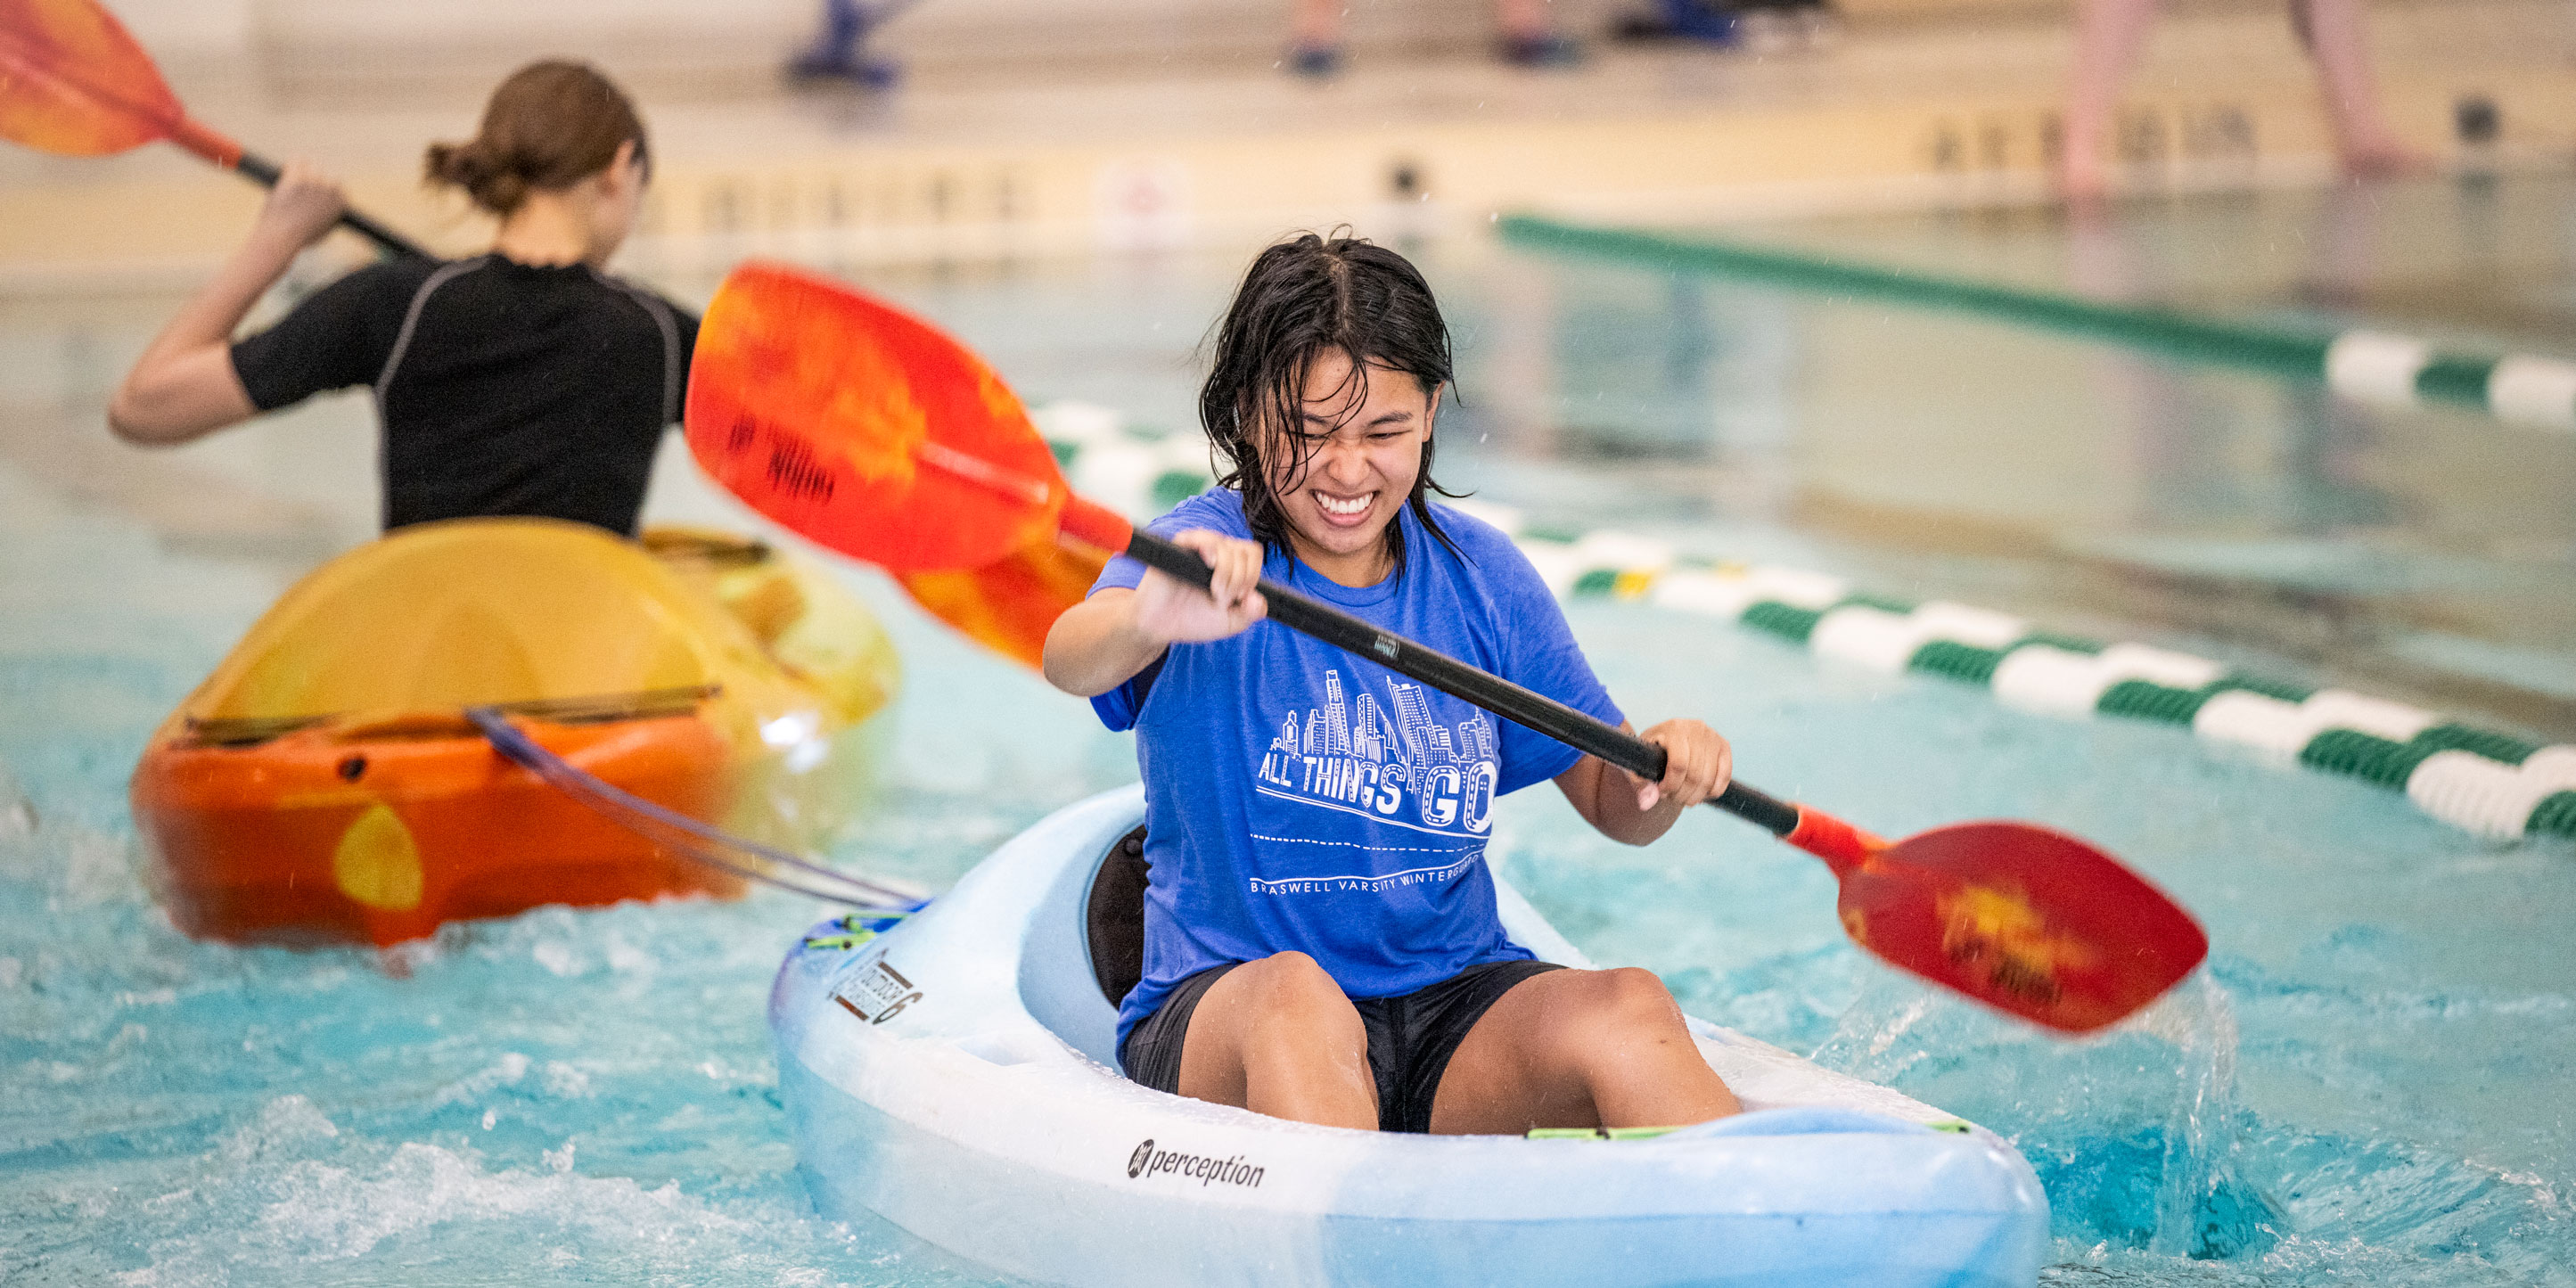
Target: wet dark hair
<point>1302,299</point>
<point>552,124</point>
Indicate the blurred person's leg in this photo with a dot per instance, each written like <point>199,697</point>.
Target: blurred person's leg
<point>1530,37</point>
<point>2364,141</point>
<point>2108,35</point>
<point>840,51</point>
<point>1522,19</point>
<point>1315,37</point>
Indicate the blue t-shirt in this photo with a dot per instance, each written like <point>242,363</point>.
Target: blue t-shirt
<point>1300,797</point>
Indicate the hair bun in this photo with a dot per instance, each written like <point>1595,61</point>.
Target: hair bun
<point>460,165</point>
<point>494,183</point>
<point>552,123</point>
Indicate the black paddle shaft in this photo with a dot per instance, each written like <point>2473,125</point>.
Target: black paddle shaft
<point>264,172</point>
<point>1459,680</point>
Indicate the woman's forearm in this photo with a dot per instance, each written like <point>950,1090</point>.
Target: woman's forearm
<point>1603,796</point>
<point>210,316</point>
<point>1096,645</point>
<point>1628,809</point>
<point>183,385</point>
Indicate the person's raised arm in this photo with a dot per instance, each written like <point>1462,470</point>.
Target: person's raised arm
<point>184,385</point>
<point>1105,640</point>
<point>1630,810</point>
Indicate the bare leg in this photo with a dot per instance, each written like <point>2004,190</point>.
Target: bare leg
<point>2364,140</point>
<point>1277,1037</point>
<point>1579,1048</point>
<point>2108,35</point>
<point>1318,23</point>
<point>1522,19</point>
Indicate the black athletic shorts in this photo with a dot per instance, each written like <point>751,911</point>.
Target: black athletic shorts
<point>1410,1035</point>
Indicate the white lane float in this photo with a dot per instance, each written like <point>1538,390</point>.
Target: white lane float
<point>955,1075</point>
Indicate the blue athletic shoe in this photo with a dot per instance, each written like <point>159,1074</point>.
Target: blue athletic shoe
<point>822,65</point>
<point>841,53</point>
<point>1550,50</point>
<point>1711,22</point>
<point>1316,62</point>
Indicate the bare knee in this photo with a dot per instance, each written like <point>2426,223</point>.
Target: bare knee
<point>1629,992</point>
<point>1287,979</point>
<point>1293,997</point>
<point>1637,989</point>
<point>1619,1008</point>
<point>1629,1044</point>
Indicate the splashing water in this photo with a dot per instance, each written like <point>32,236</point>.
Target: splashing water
<point>2370,1081</point>
<point>2135,1136</point>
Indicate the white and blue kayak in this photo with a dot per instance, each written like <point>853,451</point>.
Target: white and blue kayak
<point>955,1075</point>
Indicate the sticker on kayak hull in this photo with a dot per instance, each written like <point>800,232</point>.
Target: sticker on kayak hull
<point>1149,1161</point>
<point>876,993</point>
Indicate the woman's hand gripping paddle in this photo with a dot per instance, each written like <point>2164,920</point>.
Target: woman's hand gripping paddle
<point>73,83</point>
<point>882,438</point>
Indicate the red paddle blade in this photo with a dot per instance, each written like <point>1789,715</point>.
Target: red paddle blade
<point>73,83</point>
<point>863,428</point>
<point>1010,605</point>
<point>2024,919</point>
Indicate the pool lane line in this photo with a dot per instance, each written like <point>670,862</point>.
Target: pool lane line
<point>2362,364</point>
<point>2489,783</point>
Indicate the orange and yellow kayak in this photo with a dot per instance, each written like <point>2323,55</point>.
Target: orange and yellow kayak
<point>322,785</point>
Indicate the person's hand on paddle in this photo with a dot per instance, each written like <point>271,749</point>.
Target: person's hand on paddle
<point>184,386</point>
<point>303,206</point>
<point>2088,942</point>
<point>1634,810</point>
<point>1172,612</point>
<point>1100,643</point>
<point>1697,765</point>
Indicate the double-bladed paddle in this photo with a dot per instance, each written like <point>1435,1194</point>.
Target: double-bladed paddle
<point>73,83</point>
<point>878,436</point>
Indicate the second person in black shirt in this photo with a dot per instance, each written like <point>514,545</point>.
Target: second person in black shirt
<point>523,381</point>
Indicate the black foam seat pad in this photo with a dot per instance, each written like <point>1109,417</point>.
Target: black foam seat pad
<point>1116,918</point>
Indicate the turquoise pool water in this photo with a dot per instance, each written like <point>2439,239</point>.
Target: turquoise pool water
<point>2371,1082</point>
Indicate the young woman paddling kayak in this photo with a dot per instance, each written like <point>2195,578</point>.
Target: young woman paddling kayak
<point>1321,935</point>
<point>523,381</point>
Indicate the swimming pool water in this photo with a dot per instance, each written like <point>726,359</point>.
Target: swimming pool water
<point>2371,1082</point>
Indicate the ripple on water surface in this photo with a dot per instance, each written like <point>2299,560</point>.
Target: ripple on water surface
<point>2369,1084</point>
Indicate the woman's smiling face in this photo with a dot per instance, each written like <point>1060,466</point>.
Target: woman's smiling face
<point>1343,473</point>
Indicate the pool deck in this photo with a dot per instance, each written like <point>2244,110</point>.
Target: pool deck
<point>1002,157</point>
<point>988,161</point>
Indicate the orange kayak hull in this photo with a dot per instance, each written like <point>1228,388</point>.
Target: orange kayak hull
<point>323,787</point>
<point>321,837</point>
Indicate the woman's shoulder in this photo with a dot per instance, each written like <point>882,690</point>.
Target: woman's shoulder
<point>369,300</point>
<point>653,301</point>
<point>1486,548</point>
<point>1486,554</point>
<point>1219,509</point>
<point>392,280</point>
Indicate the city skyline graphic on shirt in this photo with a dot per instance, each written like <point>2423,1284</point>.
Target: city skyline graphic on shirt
<point>1386,760</point>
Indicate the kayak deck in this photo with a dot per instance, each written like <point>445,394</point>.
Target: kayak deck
<point>955,1076</point>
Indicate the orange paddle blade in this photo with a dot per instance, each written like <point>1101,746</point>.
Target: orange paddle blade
<point>72,82</point>
<point>863,428</point>
<point>2022,918</point>
<point>1009,605</point>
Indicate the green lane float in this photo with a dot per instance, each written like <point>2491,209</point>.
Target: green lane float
<point>2363,364</point>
